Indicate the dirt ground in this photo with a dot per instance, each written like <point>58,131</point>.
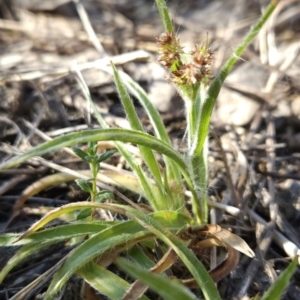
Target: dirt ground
<point>255,134</point>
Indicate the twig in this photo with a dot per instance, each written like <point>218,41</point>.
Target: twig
<point>236,199</point>
<point>89,28</point>
<point>270,141</point>
<point>62,71</point>
<point>261,250</point>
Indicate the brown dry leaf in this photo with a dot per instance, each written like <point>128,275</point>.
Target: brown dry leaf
<point>229,238</point>
<point>39,186</point>
<point>223,269</point>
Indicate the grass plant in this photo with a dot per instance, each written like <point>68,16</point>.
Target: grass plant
<point>162,225</point>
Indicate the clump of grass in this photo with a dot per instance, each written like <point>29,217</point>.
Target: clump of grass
<point>164,224</point>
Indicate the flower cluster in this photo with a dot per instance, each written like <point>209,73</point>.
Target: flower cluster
<point>197,65</point>
<point>169,50</point>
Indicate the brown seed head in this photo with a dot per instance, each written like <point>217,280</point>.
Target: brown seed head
<point>197,70</point>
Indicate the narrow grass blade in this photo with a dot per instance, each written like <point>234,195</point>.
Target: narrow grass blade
<point>101,279</point>
<point>138,288</point>
<point>8,239</point>
<point>136,125</point>
<point>199,146</point>
<point>170,219</point>
<point>55,234</point>
<point>164,15</point>
<point>113,239</point>
<point>55,213</point>
<point>139,93</point>
<point>23,253</point>
<point>167,289</point>
<point>186,255</point>
<point>150,191</point>
<point>155,119</point>
<point>45,238</point>
<point>282,282</point>
<point>139,256</point>
<point>144,182</point>
<point>214,89</point>
<point>110,134</point>
<point>146,152</point>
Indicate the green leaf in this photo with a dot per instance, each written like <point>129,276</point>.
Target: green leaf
<point>168,219</point>
<point>167,289</point>
<point>215,87</point>
<point>172,219</point>
<point>106,155</point>
<point>138,255</point>
<point>91,159</point>
<point>92,148</point>
<point>8,239</point>
<point>112,239</point>
<point>110,134</point>
<point>135,124</point>
<point>196,268</point>
<point>164,15</point>
<point>123,135</point>
<point>80,153</point>
<point>23,253</point>
<point>55,213</point>
<point>173,172</point>
<point>104,195</point>
<point>83,214</point>
<point>101,279</point>
<point>56,234</point>
<point>45,238</point>
<point>282,282</point>
<point>83,184</point>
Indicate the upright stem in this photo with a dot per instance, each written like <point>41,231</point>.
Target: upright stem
<point>200,177</point>
<point>198,161</point>
<point>215,87</point>
<point>94,170</point>
<point>191,121</point>
<point>198,149</point>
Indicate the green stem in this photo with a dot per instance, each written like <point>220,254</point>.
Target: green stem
<point>198,150</point>
<point>214,89</point>
<point>94,168</point>
<point>191,121</point>
<point>200,177</point>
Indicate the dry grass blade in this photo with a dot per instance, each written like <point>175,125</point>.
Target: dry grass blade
<point>230,239</point>
<point>223,269</point>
